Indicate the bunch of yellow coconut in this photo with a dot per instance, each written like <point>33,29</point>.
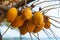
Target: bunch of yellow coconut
<point>27,21</point>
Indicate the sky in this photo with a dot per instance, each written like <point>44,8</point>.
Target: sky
<point>15,33</point>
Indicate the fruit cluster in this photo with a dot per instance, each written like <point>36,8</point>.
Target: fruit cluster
<point>27,21</point>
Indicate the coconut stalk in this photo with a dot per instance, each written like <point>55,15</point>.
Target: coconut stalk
<point>7,9</point>
<point>46,33</point>
<point>53,33</point>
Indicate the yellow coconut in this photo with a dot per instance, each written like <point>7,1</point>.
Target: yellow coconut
<point>30,26</point>
<point>11,14</point>
<point>23,30</point>
<point>47,22</point>
<point>19,21</point>
<point>38,28</point>
<point>38,18</point>
<point>27,13</point>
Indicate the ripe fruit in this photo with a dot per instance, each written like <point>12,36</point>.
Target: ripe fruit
<point>38,28</point>
<point>27,13</point>
<point>23,29</point>
<point>18,22</point>
<point>47,22</point>
<point>38,18</point>
<point>30,26</point>
<point>12,14</point>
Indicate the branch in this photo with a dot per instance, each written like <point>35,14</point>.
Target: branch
<point>3,8</point>
<point>22,3</point>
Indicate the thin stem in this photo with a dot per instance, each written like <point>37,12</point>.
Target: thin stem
<point>55,25</point>
<point>32,33</point>
<point>59,9</point>
<point>51,5</point>
<point>36,1</point>
<point>54,17</point>
<point>21,3</point>
<point>53,33</point>
<point>6,30</point>
<point>46,6</point>
<point>20,37</point>
<point>8,27</point>
<point>30,36</point>
<point>49,10</point>
<point>30,1</point>
<point>29,32</point>
<point>54,20</point>
<point>46,33</point>
<point>41,2</point>
<point>36,36</point>
<point>32,5</point>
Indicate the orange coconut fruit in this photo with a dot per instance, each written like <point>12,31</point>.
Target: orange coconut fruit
<point>30,26</point>
<point>19,21</point>
<point>38,18</point>
<point>47,22</point>
<point>11,14</point>
<point>38,28</point>
<point>27,13</point>
<point>23,29</point>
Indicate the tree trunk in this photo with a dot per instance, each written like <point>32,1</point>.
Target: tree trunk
<point>0,36</point>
